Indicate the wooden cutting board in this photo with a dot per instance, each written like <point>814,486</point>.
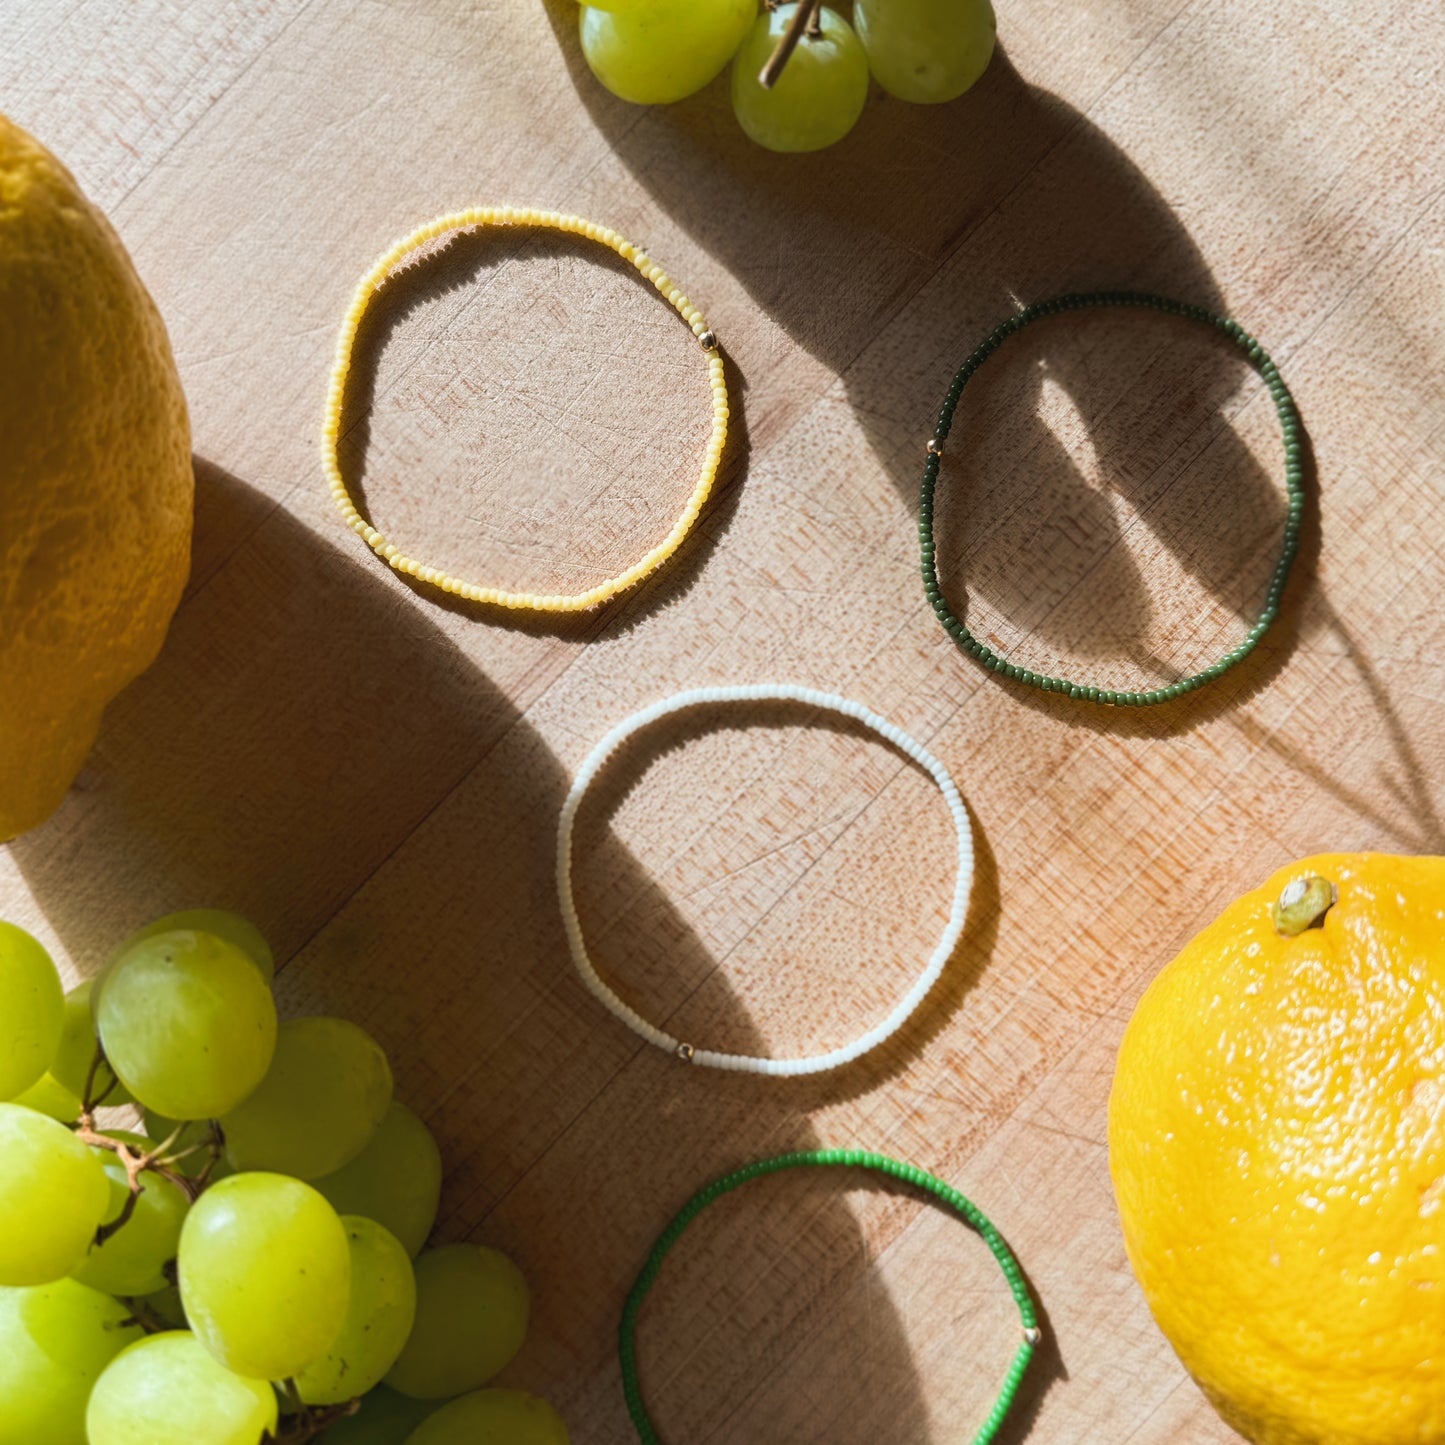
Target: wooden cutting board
<point>373,773</point>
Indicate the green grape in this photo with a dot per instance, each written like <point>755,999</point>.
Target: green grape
<point>819,95</point>
<point>665,49</point>
<point>50,1098</point>
<point>165,1305</point>
<point>194,1132</point>
<point>265,1274</point>
<point>396,1180</point>
<point>385,1418</point>
<point>493,1417</point>
<point>471,1317</point>
<point>925,50</point>
<point>220,923</point>
<point>132,1260</point>
<point>327,1090</point>
<point>55,1339</point>
<point>53,1195</point>
<point>378,1318</point>
<point>32,1004</point>
<point>188,1024</point>
<point>167,1390</point>
<point>79,1044</point>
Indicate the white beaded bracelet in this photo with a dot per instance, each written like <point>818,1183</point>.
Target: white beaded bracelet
<point>762,692</point>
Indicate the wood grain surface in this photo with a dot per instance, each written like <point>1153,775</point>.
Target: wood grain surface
<point>373,772</point>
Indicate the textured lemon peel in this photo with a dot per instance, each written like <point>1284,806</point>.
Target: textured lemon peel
<point>1273,1166</point>
<point>95,478</point>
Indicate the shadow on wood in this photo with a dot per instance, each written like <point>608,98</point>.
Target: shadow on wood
<point>304,717</point>
<point>1105,511</point>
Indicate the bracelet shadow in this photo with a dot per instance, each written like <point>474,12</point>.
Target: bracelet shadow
<point>440,293</point>
<point>963,971</point>
<point>914,237</point>
<point>314,751</point>
<point>1046,1369</point>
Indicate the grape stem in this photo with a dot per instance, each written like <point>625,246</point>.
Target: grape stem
<point>133,1163</point>
<point>90,1100</point>
<point>157,1160</point>
<point>212,1144</point>
<point>806,17</point>
<point>143,1315</point>
<point>307,1423</point>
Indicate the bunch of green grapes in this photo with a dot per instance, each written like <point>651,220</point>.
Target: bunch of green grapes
<point>799,71</point>
<point>252,1267</point>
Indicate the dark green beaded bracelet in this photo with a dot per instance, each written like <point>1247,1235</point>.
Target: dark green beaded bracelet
<point>1289,424</point>
<point>836,1158</point>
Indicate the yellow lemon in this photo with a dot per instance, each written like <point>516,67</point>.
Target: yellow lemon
<point>1277,1143</point>
<point>95,477</point>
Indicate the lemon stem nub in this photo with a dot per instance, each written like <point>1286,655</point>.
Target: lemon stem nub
<point>1303,904</point>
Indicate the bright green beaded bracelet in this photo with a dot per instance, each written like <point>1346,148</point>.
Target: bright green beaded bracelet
<point>837,1158</point>
<point>1289,424</point>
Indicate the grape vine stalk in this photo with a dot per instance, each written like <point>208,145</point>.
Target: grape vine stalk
<point>805,18</point>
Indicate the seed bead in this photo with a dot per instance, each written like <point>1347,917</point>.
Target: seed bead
<point>1294,488</point>
<point>373,281</point>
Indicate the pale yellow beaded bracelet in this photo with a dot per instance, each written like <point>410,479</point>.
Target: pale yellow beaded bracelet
<point>528,601</point>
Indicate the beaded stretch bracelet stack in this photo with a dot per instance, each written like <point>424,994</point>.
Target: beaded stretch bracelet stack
<point>1293,473</point>
<point>627,1342</point>
<point>830,1158</point>
<point>341,369</point>
<point>762,692</point>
